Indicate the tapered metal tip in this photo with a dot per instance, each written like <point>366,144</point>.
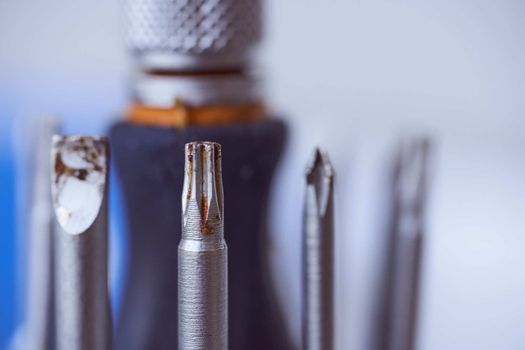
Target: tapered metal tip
<point>79,169</point>
<point>411,174</point>
<point>202,197</point>
<point>320,178</point>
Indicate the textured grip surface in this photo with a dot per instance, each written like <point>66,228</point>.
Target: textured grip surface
<point>208,29</point>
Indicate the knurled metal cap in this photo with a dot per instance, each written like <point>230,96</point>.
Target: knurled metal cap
<point>192,34</point>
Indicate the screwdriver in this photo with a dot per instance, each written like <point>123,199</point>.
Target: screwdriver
<point>203,280</point>
<point>194,78</point>
<point>79,187</point>
<point>409,191</point>
<point>318,255</point>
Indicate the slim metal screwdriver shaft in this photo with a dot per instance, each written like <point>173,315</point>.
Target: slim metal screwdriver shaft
<point>318,256</point>
<point>39,323</point>
<point>79,190</point>
<point>408,230</point>
<point>203,279</point>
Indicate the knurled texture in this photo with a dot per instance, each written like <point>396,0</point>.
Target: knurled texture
<point>195,27</point>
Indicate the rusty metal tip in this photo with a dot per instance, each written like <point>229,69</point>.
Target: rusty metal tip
<point>192,146</point>
<point>204,153</point>
<point>202,149</point>
<point>202,197</point>
<point>79,169</point>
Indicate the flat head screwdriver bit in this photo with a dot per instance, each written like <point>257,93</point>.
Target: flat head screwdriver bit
<point>79,187</point>
<point>203,279</point>
<point>318,255</point>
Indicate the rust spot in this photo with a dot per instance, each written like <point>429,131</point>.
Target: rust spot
<point>190,170</point>
<point>205,227</point>
<point>204,206</point>
<point>60,167</point>
<point>81,174</point>
<point>190,158</point>
<point>89,154</point>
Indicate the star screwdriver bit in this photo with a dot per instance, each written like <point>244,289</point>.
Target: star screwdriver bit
<point>203,279</point>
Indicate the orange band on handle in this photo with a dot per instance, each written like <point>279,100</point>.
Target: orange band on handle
<point>181,115</point>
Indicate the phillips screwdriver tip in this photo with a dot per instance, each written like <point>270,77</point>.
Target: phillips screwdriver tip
<point>319,178</point>
<point>318,255</point>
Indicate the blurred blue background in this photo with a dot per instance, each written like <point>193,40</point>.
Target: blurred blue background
<point>7,236</point>
<point>350,75</point>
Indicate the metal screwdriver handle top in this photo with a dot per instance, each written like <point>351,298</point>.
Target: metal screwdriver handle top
<point>192,34</point>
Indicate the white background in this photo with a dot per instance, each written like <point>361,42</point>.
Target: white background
<point>351,76</point>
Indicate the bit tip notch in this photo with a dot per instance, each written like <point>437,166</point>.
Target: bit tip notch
<point>319,177</point>
<point>79,168</point>
<point>202,197</point>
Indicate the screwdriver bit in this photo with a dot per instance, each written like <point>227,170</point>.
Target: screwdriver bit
<point>318,255</point>
<point>409,196</point>
<point>79,187</point>
<point>203,280</point>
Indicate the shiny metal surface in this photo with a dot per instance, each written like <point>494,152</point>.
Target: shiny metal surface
<point>203,280</point>
<point>79,190</point>
<point>163,90</point>
<point>39,313</point>
<point>318,255</point>
<point>192,34</point>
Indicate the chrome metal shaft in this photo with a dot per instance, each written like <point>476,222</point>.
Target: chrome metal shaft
<point>408,233</point>
<point>203,279</point>
<point>318,256</point>
<point>79,187</point>
<point>39,319</point>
